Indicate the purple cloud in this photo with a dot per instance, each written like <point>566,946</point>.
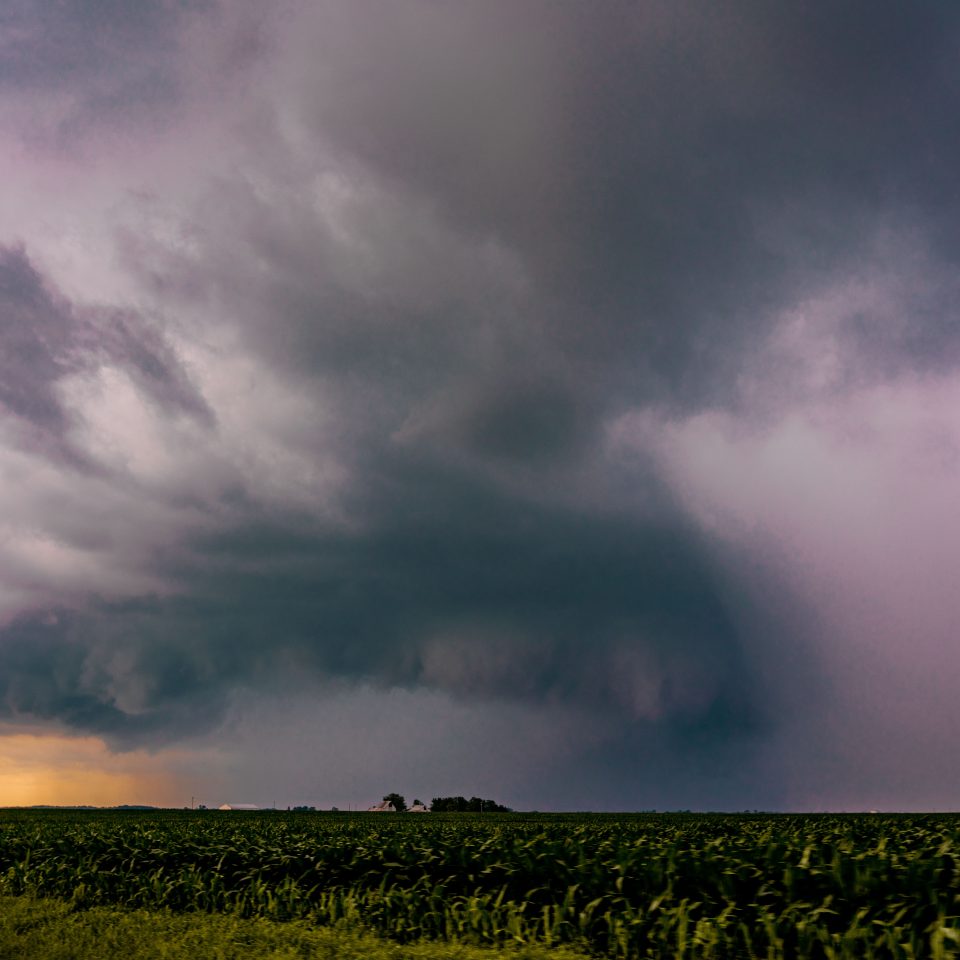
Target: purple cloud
<point>568,364</point>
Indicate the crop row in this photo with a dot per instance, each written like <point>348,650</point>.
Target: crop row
<point>639,886</point>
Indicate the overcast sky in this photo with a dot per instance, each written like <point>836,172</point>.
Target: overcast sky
<point>551,401</point>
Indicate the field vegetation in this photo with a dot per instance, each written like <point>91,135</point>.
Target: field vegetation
<point>49,929</point>
<point>648,885</point>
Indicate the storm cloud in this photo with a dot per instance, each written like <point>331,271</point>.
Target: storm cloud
<point>484,360</point>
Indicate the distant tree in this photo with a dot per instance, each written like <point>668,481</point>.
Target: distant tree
<point>418,803</point>
<point>399,804</point>
<point>462,805</point>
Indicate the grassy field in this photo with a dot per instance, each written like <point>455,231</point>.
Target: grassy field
<point>35,929</point>
<point>697,886</point>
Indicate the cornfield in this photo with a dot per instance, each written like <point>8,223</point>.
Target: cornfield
<point>645,885</point>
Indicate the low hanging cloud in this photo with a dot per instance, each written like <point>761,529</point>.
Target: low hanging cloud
<point>514,357</point>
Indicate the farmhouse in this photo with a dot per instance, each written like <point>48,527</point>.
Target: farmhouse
<point>384,806</point>
<point>238,806</point>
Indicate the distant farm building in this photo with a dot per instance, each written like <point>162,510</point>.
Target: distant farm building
<point>384,806</point>
<point>238,806</point>
<point>418,808</point>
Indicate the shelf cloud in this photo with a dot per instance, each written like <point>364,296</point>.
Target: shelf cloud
<point>593,367</point>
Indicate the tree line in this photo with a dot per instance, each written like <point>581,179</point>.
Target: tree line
<point>450,804</point>
<point>462,805</point>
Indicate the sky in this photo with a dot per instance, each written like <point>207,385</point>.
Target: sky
<point>554,402</point>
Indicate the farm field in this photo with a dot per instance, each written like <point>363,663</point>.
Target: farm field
<point>48,929</point>
<point>644,885</point>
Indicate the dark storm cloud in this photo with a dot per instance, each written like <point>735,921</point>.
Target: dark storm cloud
<point>626,158</point>
<point>44,677</point>
<point>524,421</point>
<point>634,155</point>
<point>451,586</point>
<point>110,60</point>
<point>153,365</point>
<point>44,339</point>
<point>85,70</point>
<point>49,43</point>
<point>37,331</point>
<point>66,669</point>
<point>462,243</point>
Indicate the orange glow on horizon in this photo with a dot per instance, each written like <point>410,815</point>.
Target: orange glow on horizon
<point>58,770</point>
